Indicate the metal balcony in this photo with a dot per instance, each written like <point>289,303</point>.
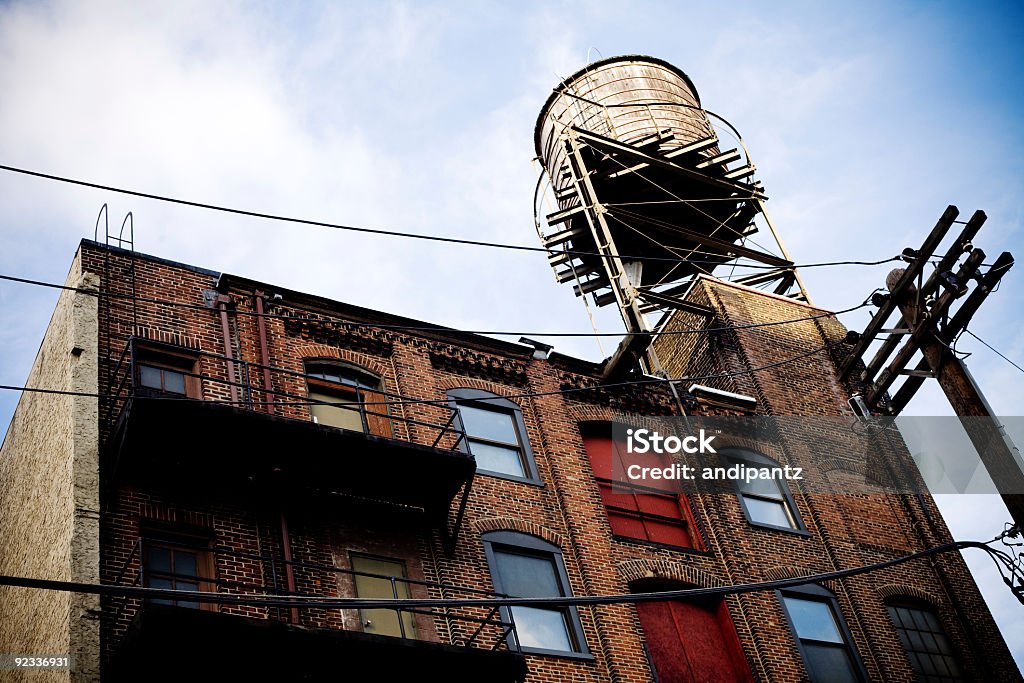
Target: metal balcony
<point>167,638</point>
<point>234,429</point>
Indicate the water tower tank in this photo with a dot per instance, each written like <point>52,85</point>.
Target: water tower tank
<point>634,165</point>
<point>629,99</point>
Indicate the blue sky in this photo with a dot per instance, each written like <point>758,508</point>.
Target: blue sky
<point>865,121</point>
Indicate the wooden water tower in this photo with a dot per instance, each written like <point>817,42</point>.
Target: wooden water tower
<point>640,198</point>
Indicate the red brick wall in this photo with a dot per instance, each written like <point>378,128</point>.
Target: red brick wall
<point>566,510</point>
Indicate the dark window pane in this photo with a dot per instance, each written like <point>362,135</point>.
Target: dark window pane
<point>488,424</point>
<point>826,664</point>
<point>941,644</point>
<point>768,512</point>
<point>149,377</point>
<point>159,559</point>
<point>160,583</point>
<point>954,670</point>
<point>542,628</point>
<point>928,650</point>
<point>497,459</point>
<point>920,623</point>
<point>813,620</point>
<point>174,382</point>
<point>527,576</point>
<point>185,564</point>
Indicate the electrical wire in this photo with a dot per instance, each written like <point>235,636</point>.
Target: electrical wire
<point>424,328</point>
<point>339,226</point>
<point>536,394</point>
<point>993,350</point>
<point>303,601</point>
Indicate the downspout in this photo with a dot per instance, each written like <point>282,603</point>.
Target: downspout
<point>261,323</point>
<point>222,302</point>
<point>289,571</point>
<point>286,540</point>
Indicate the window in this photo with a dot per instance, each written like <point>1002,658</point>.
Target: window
<point>166,371</point>
<point>384,579</point>
<point>336,388</point>
<point>178,561</point>
<point>766,502</point>
<point>495,434</point>
<point>690,640</point>
<point>822,636</point>
<point>924,641</point>
<point>635,511</point>
<point>528,567</point>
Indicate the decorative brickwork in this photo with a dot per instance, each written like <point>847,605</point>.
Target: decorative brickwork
<point>248,520</point>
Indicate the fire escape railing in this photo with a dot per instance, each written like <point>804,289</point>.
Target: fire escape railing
<point>466,626</point>
<point>393,408</point>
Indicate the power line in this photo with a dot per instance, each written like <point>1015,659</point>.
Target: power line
<point>568,390</point>
<point>278,600</point>
<point>427,328</point>
<point>993,350</point>
<point>370,231</point>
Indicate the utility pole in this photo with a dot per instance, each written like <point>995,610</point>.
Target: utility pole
<point>990,440</point>
<point>928,328</point>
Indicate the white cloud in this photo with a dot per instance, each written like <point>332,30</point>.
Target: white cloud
<point>419,117</point>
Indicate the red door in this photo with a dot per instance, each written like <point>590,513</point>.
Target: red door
<point>691,642</point>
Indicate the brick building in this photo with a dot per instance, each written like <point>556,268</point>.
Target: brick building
<point>252,441</point>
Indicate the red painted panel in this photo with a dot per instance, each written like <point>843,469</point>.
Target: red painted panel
<point>669,534</point>
<point>599,450</point>
<point>688,643</point>
<point>635,515</point>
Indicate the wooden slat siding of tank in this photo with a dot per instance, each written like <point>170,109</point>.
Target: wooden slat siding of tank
<point>377,421</point>
<point>634,97</point>
<point>623,83</point>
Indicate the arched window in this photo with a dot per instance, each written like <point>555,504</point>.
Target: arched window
<point>690,640</point>
<point>525,566</point>
<point>924,640</point>
<point>495,434</point>
<point>821,634</point>
<point>634,511</point>
<point>347,398</point>
<point>766,502</point>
